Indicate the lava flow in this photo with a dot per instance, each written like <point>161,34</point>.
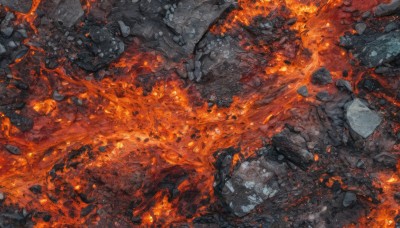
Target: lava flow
<point>137,144</point>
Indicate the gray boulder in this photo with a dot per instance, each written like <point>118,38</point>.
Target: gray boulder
<point>380,51</point>
<point>294,147</point>
<point>18,5</point>
<point>250,185</point>
<point>385,9</point>
<point>67,12</point>
<point>361,119</point>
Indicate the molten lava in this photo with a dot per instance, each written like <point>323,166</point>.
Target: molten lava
<point>107,127</point>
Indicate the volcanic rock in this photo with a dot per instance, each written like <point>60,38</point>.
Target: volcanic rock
<point>173,29</point>
<point>37,189</point>
<point>350,198</point>
<point>219,69</point>
<point>361,119</point>
<point>294,147</point>
<point>321,77</point>
<point>102,48</point>
<point>13,149</point>
<point>125,30</point>
<point>386,159</point>
<point>344,85</point>
<point>385,9</point>
<point>67,12</point>
<point>383,50</point>
<point>191,19</point>
<point>21,122</point>
<point>323,96</point>
<point>2,49</point>
<point>360,28</point>
<point>18,5</point>
<point>303,91</point>
<point>250,185</point>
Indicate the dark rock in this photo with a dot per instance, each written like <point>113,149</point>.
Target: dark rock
<point>86,210</point>
<point>219,70</point>
<point>385,9</point>
<point>192,18</point>
<point>250,185</point>
<point>57,96</point>
<point>21,122</point>
<point>360,27</point>
<point>344,85</point>
<point>391,26</point>
<point>18,5</point>
<point>67,12</point>
<point>321,77</point>
<point>323,96</point>
<point>2,49</point>
<point>303,91</point>
<point>386,159</point>
<point>370,84</point>
<point>47,218</point>
<point>380,51</point>
<point>7,31</point>
<point>294,147</point>
<point>361,119</point>
<point>13,149</point>
<point>125,30</point>
<point>350,198</point>
<point>37,189</point>
<point>101,50</point>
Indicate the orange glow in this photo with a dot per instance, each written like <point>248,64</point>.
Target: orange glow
<point>165,129</point>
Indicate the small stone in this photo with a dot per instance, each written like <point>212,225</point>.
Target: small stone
<point>360,164</point>
<point>361,119</point>
<point>12,44</point>
<point>350,198</point>
<point>360,28</point>
<point>86,210</point>
<point>2,196</point>
<point>366,14</point>
<point>13,149</point>
<point>385,9</point>
<point>386,159</point>
<point>7,31</point>
<point>344,85</point>
<point>323,96</point>
<point>23,33</point>
<point>321,77</point>
<point>47,218</point>
<point>303,91</point>
<point>391,26</point>
<point>37,189</point>
<point>125,30</point>
<point>2,49</point>
<point>57,96</point>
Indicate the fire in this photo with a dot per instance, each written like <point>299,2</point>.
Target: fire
<point>163,133</point>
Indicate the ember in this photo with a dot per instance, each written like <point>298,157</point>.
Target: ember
<point>200,113</point>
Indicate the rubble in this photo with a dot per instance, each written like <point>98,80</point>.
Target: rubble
<point>18,5</point>
<point>382,50</point>
<point>344,85</point>
<point>67,12</point>
<point>321,77</point>
<point>294,147</point>
<point>385,9</point>
<point>250,185</point>
<point>361,119</point>
<point>350,198</point>
<point>303,91</point>
<point>13,149</point>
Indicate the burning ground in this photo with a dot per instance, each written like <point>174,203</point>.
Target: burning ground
<point>199,113</point>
